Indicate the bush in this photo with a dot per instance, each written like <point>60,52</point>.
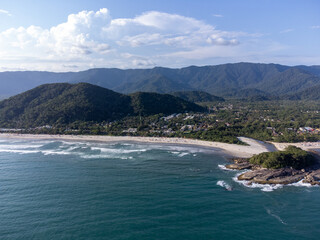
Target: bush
<point>291,157</point>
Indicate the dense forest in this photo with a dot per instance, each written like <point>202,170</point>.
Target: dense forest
<point>88,109</point>
<point>197,96</point>
<point>238,80</point>
<point>63,103</point>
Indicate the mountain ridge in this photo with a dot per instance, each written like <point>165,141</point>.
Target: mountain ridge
<point>273,79</point>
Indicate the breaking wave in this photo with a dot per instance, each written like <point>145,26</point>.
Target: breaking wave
<point>225,185</point>
<point>302,184</point>
<point>223,167</point>
<point>262,187</point>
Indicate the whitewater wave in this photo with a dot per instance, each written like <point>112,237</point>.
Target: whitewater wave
<point>53,152</point>
<point>176,153</point>
<point>302,184</point>
<point>183,154</point>
<point>19,151</point>
<point>92,150</point>
<point>262,187</point>
<point>225,185</point>
<point>22,146</point>
<point>104,156</point>
<point>178,149</point>
<point>223,167</point>
<point>118,151</point>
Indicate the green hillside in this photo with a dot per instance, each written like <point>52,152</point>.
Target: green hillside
<point>197,96</point>
<point>65,103</point>
<point>312,93</point>
<point>152,103</point>
<point>157,83</point>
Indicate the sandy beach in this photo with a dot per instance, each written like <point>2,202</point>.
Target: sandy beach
<point>230,150</point>
<point>303,145</point>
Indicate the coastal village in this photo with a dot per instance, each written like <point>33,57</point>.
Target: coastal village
<point>222,122</point>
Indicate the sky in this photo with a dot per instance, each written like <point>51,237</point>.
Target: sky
<point>75,35</point>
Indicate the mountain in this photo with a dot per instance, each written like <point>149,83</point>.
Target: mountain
<point>146,103</point>
<point>221,80</point>
<point>289,81</point>
<point>312,93</point>
<point>65,103</point>
<point>157,83</point>
<point>246,93</point>
<point>12,83</point>
<point>197,96</point>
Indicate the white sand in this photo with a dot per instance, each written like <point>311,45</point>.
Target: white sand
<point>303,145</point>
<point>255,147</point>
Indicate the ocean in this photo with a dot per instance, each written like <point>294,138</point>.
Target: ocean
<point>89,190</point>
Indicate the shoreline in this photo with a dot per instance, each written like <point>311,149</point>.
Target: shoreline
<point>307,146</point>
<point>227,149</point>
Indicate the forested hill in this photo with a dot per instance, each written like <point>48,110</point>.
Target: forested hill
<point>197,96</point>
<point>66,103</point>
<point>233,80</point>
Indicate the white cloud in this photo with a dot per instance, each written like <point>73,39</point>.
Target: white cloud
<point>93,39</point>
<point>315,27</point>
<point>217,15</point>
<point>2,11</point>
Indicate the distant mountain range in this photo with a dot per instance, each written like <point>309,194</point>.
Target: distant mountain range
<point>64,103</point>
<point>227,80</point>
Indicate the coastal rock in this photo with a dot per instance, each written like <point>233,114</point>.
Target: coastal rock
<point>250,175</point>
<point>239,166</point>
<point>273,176</point>
<point>240,160</point>
<point>286,175</point>
<point>313,177</point>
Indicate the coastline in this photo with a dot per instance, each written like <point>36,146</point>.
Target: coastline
<point>307,146</point>
<point>229,150</point>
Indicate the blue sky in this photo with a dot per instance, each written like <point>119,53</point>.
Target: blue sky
<point>76,35</point>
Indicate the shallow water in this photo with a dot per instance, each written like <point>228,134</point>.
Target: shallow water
<point>79,190</point>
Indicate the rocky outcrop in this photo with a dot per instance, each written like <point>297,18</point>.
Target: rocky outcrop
<point>313,177</point>
<point>275,176</point>
<point>240,164</point>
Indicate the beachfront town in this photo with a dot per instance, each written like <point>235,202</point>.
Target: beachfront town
<point>223,122</point>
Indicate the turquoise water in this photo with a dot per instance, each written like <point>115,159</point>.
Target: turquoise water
<point>77,190</point>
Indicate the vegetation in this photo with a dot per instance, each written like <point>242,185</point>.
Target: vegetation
<point>88,109</point>
<point>291,157</point>
<point>197,96</point>
<point>56,104</point>
<point>145,103</point>
<point>239,80</point>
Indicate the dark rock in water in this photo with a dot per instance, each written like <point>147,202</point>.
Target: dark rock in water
<point>313,178</point>
<point>275,176</point>
<point>240,166</point>
<point>240,160</point>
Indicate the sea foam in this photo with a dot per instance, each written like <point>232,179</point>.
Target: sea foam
<point>223,167</point>
<point>302,184</point>
<point>263,187</point>
<point>225,185</point>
